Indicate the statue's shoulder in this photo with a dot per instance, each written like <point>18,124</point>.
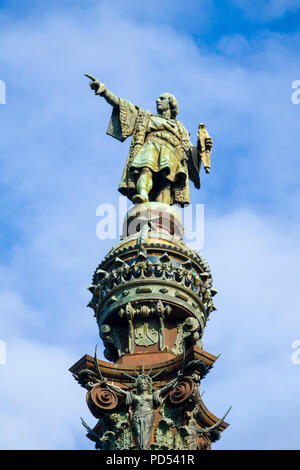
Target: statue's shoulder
<point>147,111</point>
<point>183,130</point>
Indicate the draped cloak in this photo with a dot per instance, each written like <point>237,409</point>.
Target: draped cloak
<point>163,145</point>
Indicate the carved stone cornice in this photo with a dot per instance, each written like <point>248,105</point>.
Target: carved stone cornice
<point>84,370</point>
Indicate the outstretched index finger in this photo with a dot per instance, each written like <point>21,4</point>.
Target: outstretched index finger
<point>90,77</point>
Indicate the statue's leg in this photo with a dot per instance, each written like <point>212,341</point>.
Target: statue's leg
<point>144,186</point>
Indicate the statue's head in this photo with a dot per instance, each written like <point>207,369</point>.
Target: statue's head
<point>167,101</point>
<point>143,384</point>
<point>144,381</point>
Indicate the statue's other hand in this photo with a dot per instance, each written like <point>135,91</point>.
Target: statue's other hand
<point>208,143</point>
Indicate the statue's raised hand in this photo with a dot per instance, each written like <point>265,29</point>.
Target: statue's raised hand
<point>95,85</point>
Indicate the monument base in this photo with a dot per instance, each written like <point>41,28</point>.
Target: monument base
<point>152,297</point>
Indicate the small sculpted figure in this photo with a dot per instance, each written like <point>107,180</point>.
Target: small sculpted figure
<point>143,402</point>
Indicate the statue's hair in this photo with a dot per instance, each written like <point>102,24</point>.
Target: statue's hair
<point>144,376</point>
<point>173,106</point>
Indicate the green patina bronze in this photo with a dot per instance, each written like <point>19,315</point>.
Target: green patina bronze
<point>161,158</point>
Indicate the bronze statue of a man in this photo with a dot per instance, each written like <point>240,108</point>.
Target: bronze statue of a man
<point>161,158</point>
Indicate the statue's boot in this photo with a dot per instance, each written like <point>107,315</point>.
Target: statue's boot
<point>140,198</point>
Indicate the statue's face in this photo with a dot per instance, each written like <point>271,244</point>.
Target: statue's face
<point>143,384</point>
<point>162,103</point>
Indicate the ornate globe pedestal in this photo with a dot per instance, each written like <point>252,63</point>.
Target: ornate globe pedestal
<point>151,296</point>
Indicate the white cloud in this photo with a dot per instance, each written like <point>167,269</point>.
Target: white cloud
<point>255,262</point>
<point>40,402</point>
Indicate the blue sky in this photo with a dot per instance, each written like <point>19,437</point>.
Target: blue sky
<point>231,65</point>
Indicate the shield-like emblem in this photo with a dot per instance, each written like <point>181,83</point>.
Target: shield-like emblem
<point>146,332</point>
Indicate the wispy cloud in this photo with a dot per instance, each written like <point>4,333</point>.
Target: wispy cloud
<point>266,10</point>
<point>255,264</point>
